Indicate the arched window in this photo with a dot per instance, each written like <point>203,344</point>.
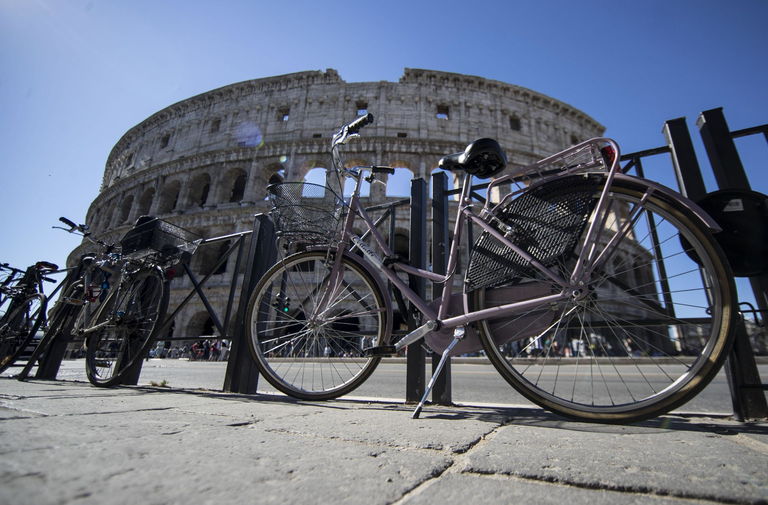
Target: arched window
<point>199,189</point>
<point>169,197</point>
<point>399,183</point>
<point>145,202</point>
<point>105,220</point>
<point>209,255</point>
<point>349,187</point>
<point>199,325</point>
<point>315,176</point>
<point>401,246</point>
<point>238,186</point>
<point>125,209</point>
<point>275,179</point>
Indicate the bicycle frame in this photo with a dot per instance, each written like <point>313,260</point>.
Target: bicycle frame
<point>441,318</point>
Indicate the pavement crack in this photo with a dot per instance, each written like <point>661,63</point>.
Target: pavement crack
<point>596,486</point>
<point>457,457</point>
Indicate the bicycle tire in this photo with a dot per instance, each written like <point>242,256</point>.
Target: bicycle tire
<point>124,326</point>
<point>642,349</point>
<point>316,356</point>
<point>18,327</point>
<point>62,319</point>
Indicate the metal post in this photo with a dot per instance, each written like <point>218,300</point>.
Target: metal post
<point>743,376</point>
<point>415,382</point>
<point>684,160</point>
<point>55,349</point>
<point>242,375</point>
<point>441,392</point>
<point>726,164</point>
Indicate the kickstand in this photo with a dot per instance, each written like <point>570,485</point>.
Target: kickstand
<point>457,336</point>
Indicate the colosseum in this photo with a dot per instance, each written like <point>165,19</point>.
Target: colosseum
<point>204,163</point>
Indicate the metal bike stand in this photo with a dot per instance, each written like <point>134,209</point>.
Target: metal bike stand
<point>242,374</point>
<point>51,351</point>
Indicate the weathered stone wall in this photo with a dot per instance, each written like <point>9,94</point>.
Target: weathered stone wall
<point>204,163</point>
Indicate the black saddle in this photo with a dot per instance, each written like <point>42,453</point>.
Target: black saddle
<point>482,158</point>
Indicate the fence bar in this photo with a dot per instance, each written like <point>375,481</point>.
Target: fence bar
<point>441,392</point>
<point>415,382</point>
<point>684,160</point>
<point>741,369</point>
<point>242,375</point>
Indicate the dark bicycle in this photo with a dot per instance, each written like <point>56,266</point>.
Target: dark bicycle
<point>24,306</point>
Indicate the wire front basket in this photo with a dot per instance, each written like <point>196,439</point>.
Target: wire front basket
<point>158,236</point>
<point>306,213</point>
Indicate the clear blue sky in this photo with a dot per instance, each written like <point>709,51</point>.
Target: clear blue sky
<point>75,75</point>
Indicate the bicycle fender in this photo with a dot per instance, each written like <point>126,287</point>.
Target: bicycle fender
<point>672,196</point>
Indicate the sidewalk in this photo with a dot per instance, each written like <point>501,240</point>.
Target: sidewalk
<point>68,442</point>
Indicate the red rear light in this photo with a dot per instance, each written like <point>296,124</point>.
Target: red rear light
<point>609,154</point>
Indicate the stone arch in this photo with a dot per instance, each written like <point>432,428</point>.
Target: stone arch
<point>200,190</point>
<point>198,325</point>
<point>399,183</point>
<point>145,202</point>
<point>349,183</point>
<point>208,256</point>
<point>169,197</point>
<point>309,166</point>
<point>234,185</point>
<point>125,209</point>
<point>401,245</point>
<point>315,176</point>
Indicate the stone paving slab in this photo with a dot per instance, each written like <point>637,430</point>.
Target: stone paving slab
<point>705,461</point>
<point>478,489</point>
<point>71,443</point>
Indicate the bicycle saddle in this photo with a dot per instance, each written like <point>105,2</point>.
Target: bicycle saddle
<point>46,265</point>
<point>482,158</point>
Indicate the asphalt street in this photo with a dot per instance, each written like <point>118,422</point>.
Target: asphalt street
<point>472,384</point>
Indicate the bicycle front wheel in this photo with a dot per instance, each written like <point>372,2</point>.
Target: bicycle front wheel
<point>124,326</point>
<point>648,331</point>
<point>18,327</point>
<point>310,351</point>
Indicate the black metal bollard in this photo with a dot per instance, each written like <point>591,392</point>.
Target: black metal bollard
<point>415,382</point>
<point>242,374</point>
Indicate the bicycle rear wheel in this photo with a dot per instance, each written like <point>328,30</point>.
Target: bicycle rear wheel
<point>18,327</point>
<point>310,353</point>
<point>124,326</point>
<point>648,331</point>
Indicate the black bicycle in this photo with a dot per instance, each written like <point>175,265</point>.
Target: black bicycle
<point>86,285</point>
<point>23,307</point>
<point>123,327</point>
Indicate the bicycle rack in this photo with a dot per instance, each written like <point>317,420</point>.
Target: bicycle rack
<point>747,391</point>
<point>748,398</point>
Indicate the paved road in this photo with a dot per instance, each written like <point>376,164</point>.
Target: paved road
<point>474,384</point>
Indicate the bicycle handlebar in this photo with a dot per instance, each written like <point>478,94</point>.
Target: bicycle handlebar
<point>68,222</point>
<point>357,124</point>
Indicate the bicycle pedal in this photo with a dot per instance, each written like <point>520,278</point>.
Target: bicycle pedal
<point>380,350</point>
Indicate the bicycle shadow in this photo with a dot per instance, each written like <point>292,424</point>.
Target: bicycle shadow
<point>719,424</point>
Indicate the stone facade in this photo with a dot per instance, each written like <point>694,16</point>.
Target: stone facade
<point>204,163</point>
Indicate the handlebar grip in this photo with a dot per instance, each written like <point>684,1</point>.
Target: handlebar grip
<point>360,122</point>
<point>48,279</point>
<point>67,222</point>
